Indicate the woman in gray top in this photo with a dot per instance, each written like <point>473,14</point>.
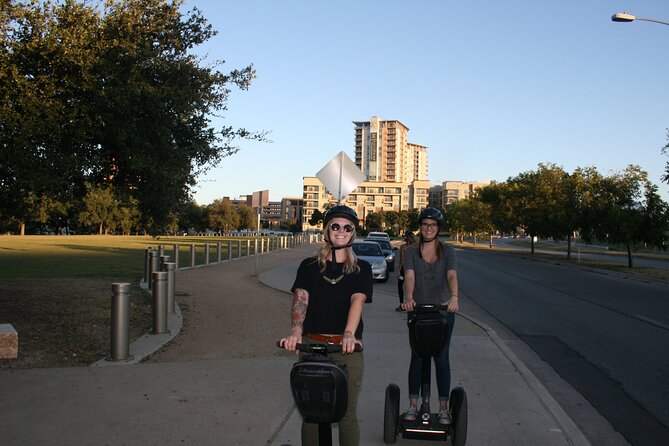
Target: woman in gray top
<point>430,277</point>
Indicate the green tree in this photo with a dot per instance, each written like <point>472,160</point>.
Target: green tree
<point>248,219</point>
<point>110,93</point>
<point>100,208</point>
<point>129,216</point>
<point>628,211</point>
<point>316,218</point>
<point>223,216</point>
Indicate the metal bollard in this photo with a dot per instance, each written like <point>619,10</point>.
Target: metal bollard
<point>176,255</point>
<point>161,250</point>
<point>163,259</point>
<point>170,269</point>
<point>192,255</point>
<point>147,265</point>
<point>229,249</point>
<point>218,252</point>
<point>159,302</point>
<point>248,247</point>
<point>239,249</point>
<point>120,322</point>
<point>154,265</point>
<point>206,253</point>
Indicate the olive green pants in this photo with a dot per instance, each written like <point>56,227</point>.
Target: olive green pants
<point>349,431</point>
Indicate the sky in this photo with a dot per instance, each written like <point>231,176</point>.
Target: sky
<point>492,88</point>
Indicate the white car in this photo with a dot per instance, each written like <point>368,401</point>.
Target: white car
<point>371,252</point>
<point>379,235</point>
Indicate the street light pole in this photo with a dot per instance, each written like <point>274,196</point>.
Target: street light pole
<point>625,17</point>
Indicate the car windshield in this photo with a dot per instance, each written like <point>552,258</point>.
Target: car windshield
<point>367,249</point>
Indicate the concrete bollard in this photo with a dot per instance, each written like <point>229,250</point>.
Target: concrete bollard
<point>170,269</point>
<point>120,322</point>
<point>154,265</point>
<point>159,302</point>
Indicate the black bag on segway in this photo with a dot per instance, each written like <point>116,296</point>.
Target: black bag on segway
<point>319,389</point>
<point>427,332</point>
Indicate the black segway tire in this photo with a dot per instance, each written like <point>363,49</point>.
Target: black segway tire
<point>391,414</point>
<point>458,407</point>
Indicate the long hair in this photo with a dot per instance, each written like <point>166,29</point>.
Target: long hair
<point>325,253</point>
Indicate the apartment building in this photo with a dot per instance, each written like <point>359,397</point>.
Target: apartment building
<point>450,191</point>
<point>369,196</point>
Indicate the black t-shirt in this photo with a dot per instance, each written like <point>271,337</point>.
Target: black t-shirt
<point>329,303</point>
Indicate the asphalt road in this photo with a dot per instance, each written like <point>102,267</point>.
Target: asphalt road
<point>607,336</point>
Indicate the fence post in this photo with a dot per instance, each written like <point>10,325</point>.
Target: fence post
<point>120,341</point>
<point>229,249</point>
<point>206,253</point>
<point>192,255</point>
<point>176,255</point>
<point>218,252</point>
<point>160,302</point>
<point>170,269</point>
<point>239,249</point>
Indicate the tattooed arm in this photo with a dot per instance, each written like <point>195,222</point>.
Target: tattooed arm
<point>297,315</point>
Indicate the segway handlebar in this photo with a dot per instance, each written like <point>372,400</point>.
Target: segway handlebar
<point>429,308</point>
<point>314,348</point>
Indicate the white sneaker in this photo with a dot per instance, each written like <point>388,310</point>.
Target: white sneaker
<point>444,417</point>
<point>411,414</point>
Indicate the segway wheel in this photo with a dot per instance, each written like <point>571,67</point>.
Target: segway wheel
<point>458,406</point>
<point>391,415</point>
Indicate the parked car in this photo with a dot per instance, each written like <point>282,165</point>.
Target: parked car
<point>383,235</point>
<point>387,249</point>
<point>372,253</point>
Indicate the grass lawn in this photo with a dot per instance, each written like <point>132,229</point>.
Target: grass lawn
<point>56,291</point>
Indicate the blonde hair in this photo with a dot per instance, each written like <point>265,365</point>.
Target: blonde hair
<point>325,253</point>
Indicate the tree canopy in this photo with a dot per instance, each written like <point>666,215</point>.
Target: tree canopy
<point>108,94</point>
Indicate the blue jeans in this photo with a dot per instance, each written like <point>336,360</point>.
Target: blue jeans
<point>442,365</point>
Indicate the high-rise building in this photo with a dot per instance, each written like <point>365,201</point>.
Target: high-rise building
<point>383,152</point>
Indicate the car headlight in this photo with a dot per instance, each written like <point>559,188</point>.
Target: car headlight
<point>379,264</point>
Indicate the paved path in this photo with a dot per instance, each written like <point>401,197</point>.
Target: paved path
<point>222,381</point>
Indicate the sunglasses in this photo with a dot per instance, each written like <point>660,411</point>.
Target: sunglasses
<point>336,227</point>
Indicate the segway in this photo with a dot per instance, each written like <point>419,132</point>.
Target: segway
<point>427,334</point>
<point>320,387</point>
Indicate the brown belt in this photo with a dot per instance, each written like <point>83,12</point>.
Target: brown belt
<point>335,339</point>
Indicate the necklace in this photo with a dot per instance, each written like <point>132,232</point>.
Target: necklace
<point>333,281</point>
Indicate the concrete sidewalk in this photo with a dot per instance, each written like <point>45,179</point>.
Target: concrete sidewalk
<point>199,398</point>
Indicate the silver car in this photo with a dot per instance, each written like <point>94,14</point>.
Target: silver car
<point>388,251</point>
<point>372,253</point>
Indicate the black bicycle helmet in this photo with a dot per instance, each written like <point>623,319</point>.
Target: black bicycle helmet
<point>340,211</point>
<point>432,213</point>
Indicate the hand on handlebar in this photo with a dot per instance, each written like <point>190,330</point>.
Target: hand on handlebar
<point>409,304</point>
<point>290,342</point>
